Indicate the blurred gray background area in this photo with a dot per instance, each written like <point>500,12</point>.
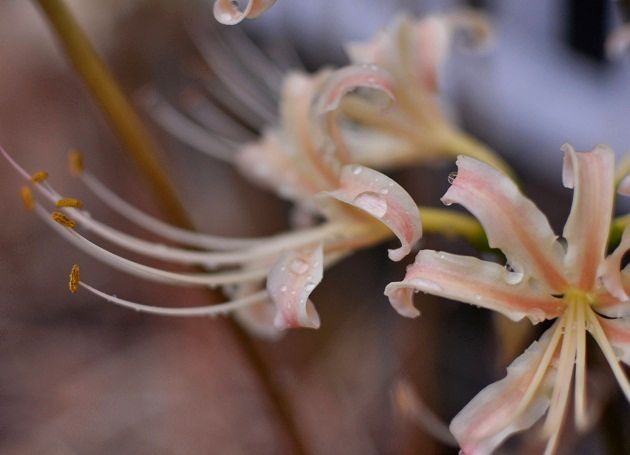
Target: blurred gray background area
<point>78,376</point>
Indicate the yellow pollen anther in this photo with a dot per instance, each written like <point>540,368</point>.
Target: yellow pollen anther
<point>75,160</point>
<point>69,202</point>
<point>64,220</point>
<point>27,197</point>
<point>75,277</point>
<point>39,176</point>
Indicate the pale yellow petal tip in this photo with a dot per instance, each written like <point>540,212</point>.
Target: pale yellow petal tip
<point>39,176</point>
<point>75,278</point>
<point>64,220</point>
<point>69,202</point>
<point>27,197</point>
<point>75,161</point>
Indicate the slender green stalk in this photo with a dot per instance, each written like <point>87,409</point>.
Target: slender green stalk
<point>137,142</point>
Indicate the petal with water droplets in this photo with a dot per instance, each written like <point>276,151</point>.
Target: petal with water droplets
<point>384,199</point>
<point>474,281</point>
<point>512,222</point>
<point>227,12</point>
<point>291,280</point>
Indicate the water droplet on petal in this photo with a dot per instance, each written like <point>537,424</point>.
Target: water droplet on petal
<point>372,203</point>
<point>356,170</point>
<point>283,289</point>
<point>384,191</point>
<point>513,277</point>
<point>298,266</point>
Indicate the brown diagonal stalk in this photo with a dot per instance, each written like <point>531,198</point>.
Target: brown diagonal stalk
<point>138,143</point>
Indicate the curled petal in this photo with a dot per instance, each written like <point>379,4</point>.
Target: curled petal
<point>337,85</point>
<point>267,163</point>
<point>227,12</point>
<point>624,186</point>
<point>257,318</point>
<point>618,333</point>
<point>612,273</point>
<point>384,199</point>
<point>346,79</point>
<point>586,231</point>
<point>290,282</point>
<point>473,281</point>
<point>512,222</point>
<point>493,415</point>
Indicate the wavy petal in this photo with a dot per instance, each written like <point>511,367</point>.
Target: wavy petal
<point>624,186</point>
<point>490,417</point>
<point>337,85</point>
<point>471,280</point>
<point>228,12</point>
<point>618,333</point>
<point>512,222</point>
<point>290,282</point>
<point>588,225</point>
<point>384,199</point>
<point>611,271</point>
<point>266,162</point>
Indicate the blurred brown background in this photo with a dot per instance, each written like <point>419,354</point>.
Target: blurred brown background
<point>79,376</point>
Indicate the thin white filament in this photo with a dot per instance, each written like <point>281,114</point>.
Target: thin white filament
<point>152,273</point>
<point>208,310</point>
<point>151,224</point>
<point>188,132</point>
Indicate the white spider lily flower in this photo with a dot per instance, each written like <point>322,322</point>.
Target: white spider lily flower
<point>579,287</point>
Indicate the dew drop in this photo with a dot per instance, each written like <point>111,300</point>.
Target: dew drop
<point>384,191</point>
<point>372,203</point>
<point>356,170</point>
<point>513,277</point>
<point>298,266</point>
<point>283,289</point>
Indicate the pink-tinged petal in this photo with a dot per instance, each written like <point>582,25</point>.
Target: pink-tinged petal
<point>384,199</point>
<point>290,281</point>
<point>512,222</point>
<point>610,306</point>
<point>489,418</point>
<point>586,231</point>
<point>267,163</point>
<point>624,186</point>
<point>337,85</point>
<point>471,280</point>
<point>430,41</point>
<point>228,12</point>
<point>298,93</point>
<point>611,271</point>
<point>258,319</point>
<point>618,333</point>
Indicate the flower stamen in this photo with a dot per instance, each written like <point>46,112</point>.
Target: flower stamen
<point>27,197</point>
<point>75,278</point>
<point>39,177</point>
<point>63,220</point>
<point>69,202</point>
